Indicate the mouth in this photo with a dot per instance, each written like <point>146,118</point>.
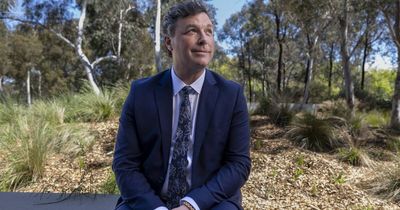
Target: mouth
<point>201,51</point>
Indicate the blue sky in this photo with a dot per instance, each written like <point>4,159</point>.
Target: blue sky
<point>225,8</point>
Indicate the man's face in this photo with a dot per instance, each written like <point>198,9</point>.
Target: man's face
<point>193,42</point>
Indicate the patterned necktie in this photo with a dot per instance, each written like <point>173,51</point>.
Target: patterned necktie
<point>177,183</point>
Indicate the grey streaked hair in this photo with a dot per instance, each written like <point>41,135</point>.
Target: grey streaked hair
<point>181,10</point>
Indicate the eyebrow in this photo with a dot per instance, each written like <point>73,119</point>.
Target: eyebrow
<point>196,26</point>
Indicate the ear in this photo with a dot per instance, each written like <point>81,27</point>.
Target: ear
<point>167,42</point>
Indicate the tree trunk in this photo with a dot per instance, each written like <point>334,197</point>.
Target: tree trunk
<point>365,56</point>
<point>82,56</point>
<point>330,69</point>
<point>395,118</point>
<point>249,72</point>
<point>309,74</point>
<point>157,37</point>
<point>348,82</point>
<point>280,40</point>
<point>279,76</point>
<point>28,87</point>
<point>40,84</point>
<point>1,84</point>
<point>92,83</point>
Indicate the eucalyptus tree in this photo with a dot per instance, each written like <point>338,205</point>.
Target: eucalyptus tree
<point>277,11</point>
<point>4,52</point>
<point>313,18</point>
<point>40,14</point>
<point>25,51</point>
<point>371,27</point>
<point>235,33</point>
<point>330,47</point>
<point>391,12</point>
<point>348,14</point>
<point>263,52</point>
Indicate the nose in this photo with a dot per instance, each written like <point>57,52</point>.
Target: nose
<point>203,38</point>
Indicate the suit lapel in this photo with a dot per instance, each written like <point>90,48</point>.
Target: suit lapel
<point>163,98</point>
<point>208,99</point>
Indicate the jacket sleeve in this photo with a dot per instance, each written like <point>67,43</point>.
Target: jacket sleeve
<point>134,187</point>
<point>236,169</point>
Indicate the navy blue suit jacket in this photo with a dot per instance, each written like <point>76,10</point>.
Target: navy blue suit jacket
<point>221,161</point>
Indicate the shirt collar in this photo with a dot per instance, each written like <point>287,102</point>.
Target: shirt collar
<point>178,84</point>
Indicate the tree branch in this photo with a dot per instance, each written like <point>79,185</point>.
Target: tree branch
<point>36,23</point>
<point>98,60</point>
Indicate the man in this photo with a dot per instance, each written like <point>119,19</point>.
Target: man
<point>183,139</point>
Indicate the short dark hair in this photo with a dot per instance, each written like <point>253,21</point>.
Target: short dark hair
<point>182,10</point>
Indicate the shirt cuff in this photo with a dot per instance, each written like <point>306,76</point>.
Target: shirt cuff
<point>161,208</point>
<point>191,201</point>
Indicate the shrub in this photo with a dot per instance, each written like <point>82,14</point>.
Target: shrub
<point>10,111</point>
<point>89,107</point>
<point>50,112</point>
<point>313,133</point>
<point>27,142</point>
<point>354,156</point>
<point>279,113</point>
<point>119,93</point>
<point>356,125</point>
<point>377,118</point>
<point>339,108</point>
<point>393,143</point>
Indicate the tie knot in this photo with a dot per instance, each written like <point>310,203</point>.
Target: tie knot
<point>186,91</point>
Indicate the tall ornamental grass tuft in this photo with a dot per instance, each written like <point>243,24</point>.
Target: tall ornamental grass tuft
<point>89,107</point>
<point>26,142</point>
<point>313,133</point>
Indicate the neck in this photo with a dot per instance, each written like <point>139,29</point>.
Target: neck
<point>188,76</point>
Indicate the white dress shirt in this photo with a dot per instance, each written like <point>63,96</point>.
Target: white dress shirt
<point>177,85</point>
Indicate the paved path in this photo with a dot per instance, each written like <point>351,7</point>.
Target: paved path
<point>56,201</point>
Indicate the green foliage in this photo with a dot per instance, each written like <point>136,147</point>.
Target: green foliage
<point>313,133</point>
<point>393,143</point>
<point>279,113</point>
<point>356,125</point>
<point>380,83</point>
<point>50,112</point>
<point>340,109</point>
<point>297,173</point>
<point>89,107</point>
<point>350,155</point>
<point>339,179</point>
<point>300,160</point>
<point>9,112</point>
<point>377,118</point>
<point>33,134</point>
<point>119,94</point>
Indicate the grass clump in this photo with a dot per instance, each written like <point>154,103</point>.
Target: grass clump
<point>110,185</point>
<point>377,118</point>
<point>354,156</point>
<point>29,139</point>
<point>387,184</point>
<point>279,113</point>
<point>25,145</point>
<point>89,107</point>
<point>313,133</point>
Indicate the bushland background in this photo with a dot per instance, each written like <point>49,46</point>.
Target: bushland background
<point>325,119</point>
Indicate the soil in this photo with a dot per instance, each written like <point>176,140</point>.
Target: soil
<point>283,175</point>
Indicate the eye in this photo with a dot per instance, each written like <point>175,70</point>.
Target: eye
<point>209,31</point>
<point>191,30</point>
